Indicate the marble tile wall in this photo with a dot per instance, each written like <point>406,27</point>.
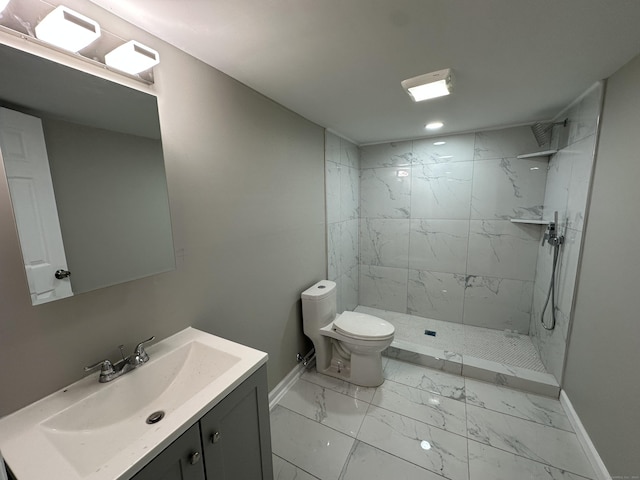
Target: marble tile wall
<point>568,180</point>
<point>435,233</point>
<point>342,178</point>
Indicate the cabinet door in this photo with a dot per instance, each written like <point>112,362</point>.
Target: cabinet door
<point>182,460</point>
<point>236,434</point>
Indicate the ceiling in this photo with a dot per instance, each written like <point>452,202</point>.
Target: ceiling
<point>339,63</point>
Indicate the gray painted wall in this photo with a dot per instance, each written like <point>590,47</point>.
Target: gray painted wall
<point>246,190</point>
<point>601,376</point>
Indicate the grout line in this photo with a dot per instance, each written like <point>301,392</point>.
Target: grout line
<point>466,424</point>
<point>343,471</point>
<point>298,467</point>
<point>561,469</point>
<point>317,422</point>
<point>403,459</point>
<point>520,418</point>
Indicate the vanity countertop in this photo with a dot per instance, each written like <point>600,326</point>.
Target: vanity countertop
<point>98,431</point>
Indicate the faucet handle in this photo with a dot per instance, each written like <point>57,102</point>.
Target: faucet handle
<point>139,350</point>
<point>106,367</point>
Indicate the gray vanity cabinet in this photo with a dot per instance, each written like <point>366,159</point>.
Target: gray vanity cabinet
<point>182,460</point>
<point>230,442</point>
<point>236,435</point>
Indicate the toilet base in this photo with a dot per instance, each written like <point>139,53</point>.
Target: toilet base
<point>361,370</point>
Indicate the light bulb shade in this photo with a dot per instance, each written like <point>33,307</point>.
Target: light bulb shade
<point>132,57</point>
<point>67,29</point>
<point>3,4</point>
<point>429,85</point>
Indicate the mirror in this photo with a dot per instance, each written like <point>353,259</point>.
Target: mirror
<point>101,142</point>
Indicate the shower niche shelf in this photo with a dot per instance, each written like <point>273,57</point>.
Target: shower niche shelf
<point>529,221</point>
<point>545,153</point>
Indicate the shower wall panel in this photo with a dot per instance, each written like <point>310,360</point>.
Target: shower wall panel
<point>568,183</point>
<point>435,233</point>
<point>342,177</point>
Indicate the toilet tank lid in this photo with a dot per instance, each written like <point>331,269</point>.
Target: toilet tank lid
<point>363,325</point>
<point>319,291</point>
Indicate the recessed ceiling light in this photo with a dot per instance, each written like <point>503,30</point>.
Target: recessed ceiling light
<point>67,29</point>
<point>439,143</point>
<point>434,125</point>
<point>429,85</point>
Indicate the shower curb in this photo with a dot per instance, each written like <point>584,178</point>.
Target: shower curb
<point>477,368</point>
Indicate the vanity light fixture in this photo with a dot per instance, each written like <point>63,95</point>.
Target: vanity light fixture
<point>67,29</point>
<point>434,125</point>
<point>429,85</point>
<point>439,143</point>
<point>3,4</point>
<point>132,57</point>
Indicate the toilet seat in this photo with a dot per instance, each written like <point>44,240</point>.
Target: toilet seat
<point>361,326</point>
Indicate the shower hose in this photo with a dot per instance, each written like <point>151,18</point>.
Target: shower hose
<point>551,294</point>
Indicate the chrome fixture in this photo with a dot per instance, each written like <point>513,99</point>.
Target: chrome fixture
<point>542,131</point>
<point>109,371</point>
<point>307,359</point>
<point>551,236</point>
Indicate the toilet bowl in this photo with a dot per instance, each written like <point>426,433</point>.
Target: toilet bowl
<point>348,346</point>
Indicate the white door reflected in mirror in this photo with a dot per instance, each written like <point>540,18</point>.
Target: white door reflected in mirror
<point>23,149</point>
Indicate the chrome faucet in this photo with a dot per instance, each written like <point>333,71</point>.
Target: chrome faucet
<point>110,371</point>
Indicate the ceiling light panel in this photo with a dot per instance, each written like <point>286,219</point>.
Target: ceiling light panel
<point>429,85</point>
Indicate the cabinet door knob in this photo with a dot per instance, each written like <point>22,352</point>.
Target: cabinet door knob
<point>215,438</point>
<point>195,458</point>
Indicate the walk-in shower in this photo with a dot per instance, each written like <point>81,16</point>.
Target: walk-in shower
<point>443,237</point>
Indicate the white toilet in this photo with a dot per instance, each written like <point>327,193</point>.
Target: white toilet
<point>348,346</point>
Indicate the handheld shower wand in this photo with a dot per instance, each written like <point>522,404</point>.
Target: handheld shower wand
<point>551,236</point>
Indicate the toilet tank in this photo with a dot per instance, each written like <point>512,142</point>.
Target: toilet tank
<point>318,305</point>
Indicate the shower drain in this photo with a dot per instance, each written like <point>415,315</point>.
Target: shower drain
<point>155,417</point>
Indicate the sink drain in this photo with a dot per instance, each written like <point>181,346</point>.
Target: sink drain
<point>155,417</point>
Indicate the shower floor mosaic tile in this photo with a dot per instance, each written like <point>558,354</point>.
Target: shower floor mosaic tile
<point>484,343</point>
<point>421,424</point>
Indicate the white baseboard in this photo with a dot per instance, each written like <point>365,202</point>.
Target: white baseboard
<point>285,384</point>
<point>583,437</point>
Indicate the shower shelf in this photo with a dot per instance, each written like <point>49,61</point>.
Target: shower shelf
<point>546,153</point>
<point>531,222</point>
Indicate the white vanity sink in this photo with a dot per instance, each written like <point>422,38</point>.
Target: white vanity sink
<point>95,431</point>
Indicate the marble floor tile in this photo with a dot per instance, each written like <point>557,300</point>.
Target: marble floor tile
<point>543,410</point>
<point>283,470</point>
<point>540,383</point>
<point>427,407</point>
<point>552,446</point>
<point>416,376</point>
<point>436,450</point>
<point>488,463</point>
<point>361,393</point>
<point>335,410</point>
<point>367,462</point>
<point>315,448</point>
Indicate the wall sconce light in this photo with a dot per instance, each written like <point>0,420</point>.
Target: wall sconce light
<point>3,4</point>
<point>429,85</point>
<point>132,57</point>
<point>67,29</point>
